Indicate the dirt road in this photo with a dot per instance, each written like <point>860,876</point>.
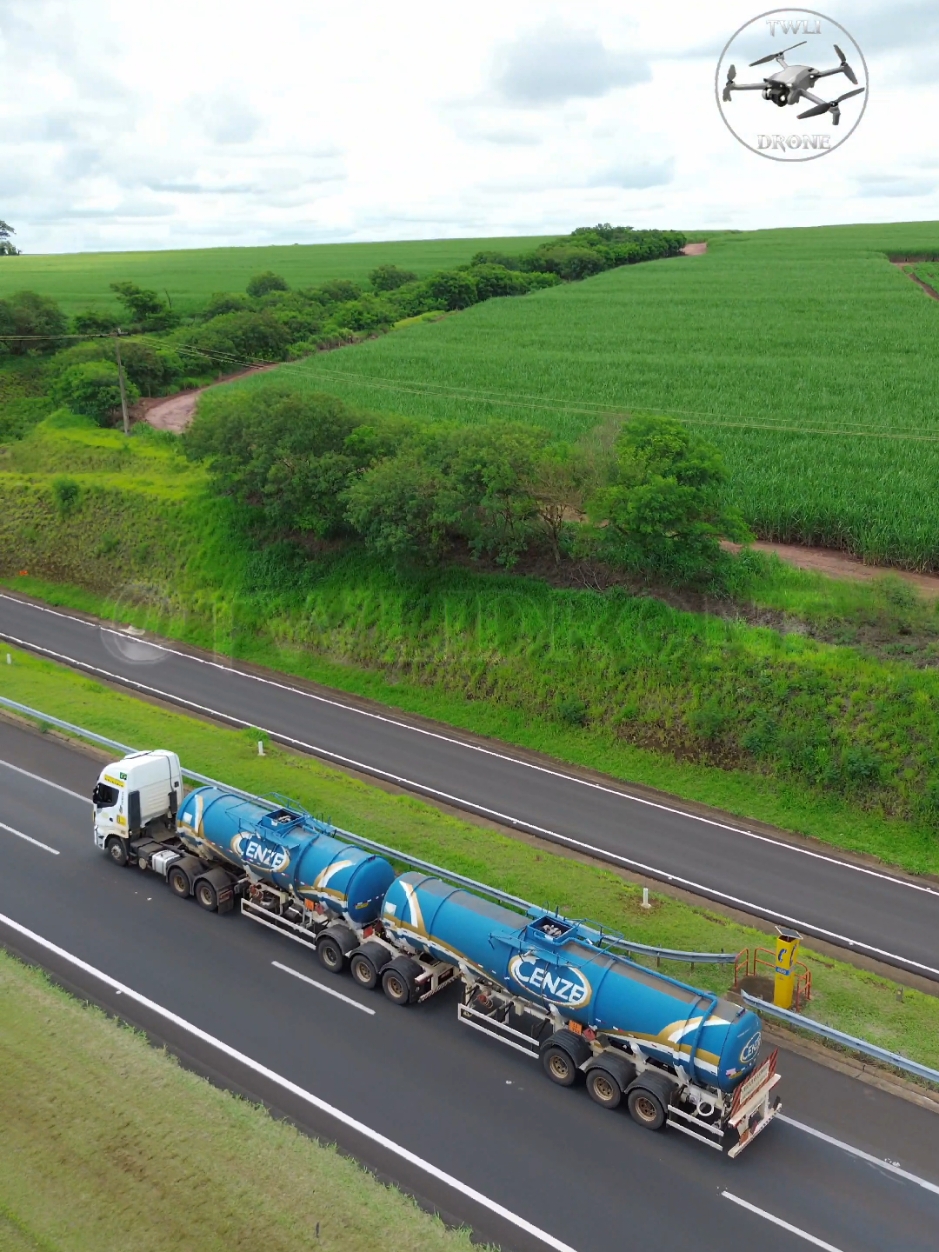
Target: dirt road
<point>841,565</point>
<point>174,413</point>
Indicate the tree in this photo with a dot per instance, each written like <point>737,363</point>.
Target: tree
<point>94,322</point>
<point>242,337</point>
<point>395,507</point>
<point>93,389</point>
<point>281,453</point>
<point>454,289</point>
<point>7,247</point>
<point>390,277</point>
<point>147,309</point>
<point>562,477</point>
<point>38,319</point>
<point>264,284</point>
<point>665,510</point>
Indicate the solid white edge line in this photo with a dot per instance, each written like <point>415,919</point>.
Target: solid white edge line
<point>29,839</point>
<point>778,1221</point>
<point>38,778</point>
<point>307,1096</point>
<point>860,1154</point>
<point>322,987</point>
<point>463,743</point>
<point>663,875</point>
<point>604,853</point>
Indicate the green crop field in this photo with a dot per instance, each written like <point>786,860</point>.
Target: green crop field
<point>81,280</point>
<point>804,354</point>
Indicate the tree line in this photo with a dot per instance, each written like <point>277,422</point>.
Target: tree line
<point>307,466</point>
<point>271,322</point>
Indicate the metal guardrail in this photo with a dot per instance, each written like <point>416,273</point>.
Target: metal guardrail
<point>613,941</point>
<point>848,1041</point>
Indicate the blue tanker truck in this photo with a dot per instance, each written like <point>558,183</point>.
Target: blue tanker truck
<point>544,985</point>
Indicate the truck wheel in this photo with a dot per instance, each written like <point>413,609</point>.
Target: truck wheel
<point>179,882</point>
<point>604,1088</point>
<point>363,971</point>
<point>559,1066</point>
<point>398,984</point>
<point>117,850</point>
<point>206,895</point>
<point>330,953</point>
<point>646,1108</point>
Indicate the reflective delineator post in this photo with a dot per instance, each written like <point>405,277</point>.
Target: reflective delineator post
<point>787,947</point>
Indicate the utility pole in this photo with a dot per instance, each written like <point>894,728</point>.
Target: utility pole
<point>120,378</point>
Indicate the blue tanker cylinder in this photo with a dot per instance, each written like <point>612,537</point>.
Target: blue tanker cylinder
<point>555,962</point>
<point>291,851</point>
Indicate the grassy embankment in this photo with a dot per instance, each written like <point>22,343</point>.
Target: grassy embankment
<point>102,1135</point>
<point>189,276</point>
<point>775,727</point>
<point>855,1001</point>
<point>803,354</point>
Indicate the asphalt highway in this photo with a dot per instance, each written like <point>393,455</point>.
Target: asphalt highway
<point>475,1129</point>
<point>882,914</point>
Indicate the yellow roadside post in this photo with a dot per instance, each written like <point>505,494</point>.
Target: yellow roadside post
<point>787,947</point>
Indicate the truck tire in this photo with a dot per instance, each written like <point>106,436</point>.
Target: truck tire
<point>333,947</point>
<point>399,980</point>
<point>116,849</point>
<point>367,963</point>
<point>559,1065</point>
<point>604,1088</point>
<point>178,880</point>
<point>648,1099</point>
<point>206,896</point>
<point>646,1108</point>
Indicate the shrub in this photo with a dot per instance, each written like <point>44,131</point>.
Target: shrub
<point>390,277</point>
<point>94,322</point>
<point>862,766</point>
<point>93,389</point>
<point>262,284</point>
<point>37,318</point>
<point>573,712</point>
<point>66,493</point>
<point>242,336</point>
<point>337,291</point>
<point>453,289</point>
<point>225,302</point>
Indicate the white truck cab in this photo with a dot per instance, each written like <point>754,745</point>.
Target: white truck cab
<point>141,788</point>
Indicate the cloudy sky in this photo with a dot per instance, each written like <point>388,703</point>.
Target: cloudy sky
<point>188,123</point>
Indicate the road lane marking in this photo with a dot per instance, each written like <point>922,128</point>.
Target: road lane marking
<point>748,906</point>
<point>307,1096</point>
<point>322,987</point>
<point>860,1154</point>
<point>37,778</point>
<point>29,839</point>
<point>778,1221</point>
<point>452,739</point>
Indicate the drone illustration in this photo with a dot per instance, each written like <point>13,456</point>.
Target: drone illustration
<point>791,83</point>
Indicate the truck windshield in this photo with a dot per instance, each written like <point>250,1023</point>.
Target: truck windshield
<point>103,796</point>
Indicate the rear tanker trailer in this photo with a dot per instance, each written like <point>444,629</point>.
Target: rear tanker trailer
<point>543,984</point>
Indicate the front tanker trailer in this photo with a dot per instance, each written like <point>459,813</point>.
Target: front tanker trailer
<point>547,986</point>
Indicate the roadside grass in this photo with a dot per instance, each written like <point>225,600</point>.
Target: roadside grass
<point>104,1136</point>
<point>853,1000</point>
<point>188,276</point>
<point>826,418</point>
<point>765,724</point>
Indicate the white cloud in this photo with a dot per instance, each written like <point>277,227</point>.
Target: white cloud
<point>551,65</point>
<point>296,122</point>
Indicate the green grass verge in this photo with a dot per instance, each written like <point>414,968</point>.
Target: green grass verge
<point>82,280</point>
<point>806,409</point>
<point>102,1135</point>
<point>767,725</point>
<point>855,1001</point>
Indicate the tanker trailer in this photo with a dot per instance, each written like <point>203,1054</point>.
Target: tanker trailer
<point>546,986</point>
<point>299,878</point>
